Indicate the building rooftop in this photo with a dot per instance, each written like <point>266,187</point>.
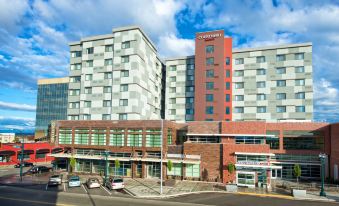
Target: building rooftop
<point>271,47</point>
<point>53,81</point>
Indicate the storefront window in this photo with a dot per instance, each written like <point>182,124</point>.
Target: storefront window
<point>98,137</point>
<point>249,140</point>
<point>81,136</point>
<point>192,170</point>
<point>123,170</point>
<point>65,136</point>
<point>169,136</point>
<point>117,139</point>
<point>153,140</point>
<point>134,140</point>
<point>303,143</point>
<point>176,170</point>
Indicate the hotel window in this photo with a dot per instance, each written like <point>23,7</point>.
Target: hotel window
<point>106,117</point>
<point>210,61</point>
<point>172,100</point>
<point>209,85</point>
<point>173,68</point>
<point>173,79</point>
<point>98,137</point>
<point>117,139</point>
<point>192,170</point>
<point>107,75</point>
<point>107,103</point>
<point>75,54</point>
<point>261,109</point>
<point>81,136</point>
<point>74,105</point>
<point>300,109</point>
<point>299,69</point>
<point>123,87</point>
<point>261,84</point>
<point>75,66</point>
<point>281,57</point>
<point>209,98</point>
<point>123,102</point>
<point>239,61</point>
<point>281,70</point>
<point>238,109</point>
<point>108,62</point>
<point>189,111</point>
<point>239,73</point>
<point>89,63</point>
<point>228,73</point>
<point>108,48</point>
<point>299,56</point>
<point>88,90</point>
<point>124,73</point>
<point>239,85</point>
<point>73,117</point>
<point>190,78</point>
<point>300,95</point>
<point>87,104</point>
<point>190,100</point>
<point>86,116</point>
<point>299,82</point>
<point>239,97</point>
<point>172,89</point>
<point>74,92</point>
<point>261,59</point>
<point>281,96</point>
<point>227,110</point>
<point>228,98</point>
<point>90,50</point>
<point>261,71</point>
<point>281,83</point>
<point>169,137</point>
<point>107,89</point>
<point>209,49</point>
<point>124,59</point>
<point>88,77</point>
<point>123,116</point>
<point>134,140</point>
<point>261,96</point>
<point>172,112</point>
<point>228,61</point>
<point>281,109</point>
<point>209,110</point>
<point>210,73</point>
<point>228,85</point>
<point>126,45</point>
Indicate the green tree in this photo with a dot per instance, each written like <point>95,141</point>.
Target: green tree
<point>297,172</point>
<point>72,163</point>
<point>169,165</point>
<point>230,167</point>
<point>116,166</point>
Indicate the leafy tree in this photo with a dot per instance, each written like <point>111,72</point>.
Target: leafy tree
<point>297,172</point>
<point>230,167</point>
<point>169,165</point>
<point>72,163</point>
<point>116,166</point>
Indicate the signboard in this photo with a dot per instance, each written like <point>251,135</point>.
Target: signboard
<point>252,163</point>
<point>209,36</point>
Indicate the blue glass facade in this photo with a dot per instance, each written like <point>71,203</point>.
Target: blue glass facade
<point>51,105</point>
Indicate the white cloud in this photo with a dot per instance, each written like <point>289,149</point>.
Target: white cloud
<point>172,46</point>
<point>11,13</point>
<point>19,123</point>
<point>15,106</point>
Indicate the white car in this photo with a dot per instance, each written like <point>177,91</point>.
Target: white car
<point>115,183</point>
<point>74,181</point>
<point>55,180</point>
<point>93,183</point>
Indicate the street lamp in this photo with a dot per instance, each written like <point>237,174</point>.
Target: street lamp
<point>322,157</point>
<point>22,153</point>
<point>161,144</point>
<point>106,165</point>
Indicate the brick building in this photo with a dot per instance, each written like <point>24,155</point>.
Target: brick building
<point>259,151</point>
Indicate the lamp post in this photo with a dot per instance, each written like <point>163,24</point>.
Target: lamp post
<point>106,165</point>
<point>22,152</point>
<point>161,145</point>
<point>322,160</point>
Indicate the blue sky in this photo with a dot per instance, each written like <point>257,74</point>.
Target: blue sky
<point>34,37</point>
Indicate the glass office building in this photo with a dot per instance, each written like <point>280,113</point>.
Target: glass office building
<point>51,103</point>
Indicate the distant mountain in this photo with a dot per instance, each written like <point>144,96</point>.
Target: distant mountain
<point>26,132</point>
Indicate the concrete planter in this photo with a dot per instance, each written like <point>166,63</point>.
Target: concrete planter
<point>298,193</point>
<point>231,188</point>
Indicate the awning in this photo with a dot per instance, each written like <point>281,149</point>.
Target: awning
<point>27,152</point>
<point>57,150</point>
<point>42,151</point>
<point>232,135</point>
<point>7,153</point>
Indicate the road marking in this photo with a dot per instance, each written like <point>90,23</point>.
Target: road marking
<point>46,186</point>
<point>34,201</point>
<point>265,195</point>
<point>64,187</point>
<point>84,188</point>
<point>4,170</point>
<point>106,190</point>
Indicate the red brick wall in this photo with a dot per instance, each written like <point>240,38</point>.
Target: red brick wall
<point>204,127</point>
<point>334,157</point>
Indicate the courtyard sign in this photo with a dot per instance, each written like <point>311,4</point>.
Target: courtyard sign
<point>209,36</point>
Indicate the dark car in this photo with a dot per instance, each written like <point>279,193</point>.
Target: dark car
<point>38,169</point>
<point>24,164</point>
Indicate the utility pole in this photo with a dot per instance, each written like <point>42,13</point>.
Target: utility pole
<point>106,165</point>
<point>161,144</point>
<point>322,160</point>
<point>22,156</point>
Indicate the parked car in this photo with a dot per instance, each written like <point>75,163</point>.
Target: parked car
<point>74,181</point>
<point>24,164</point>
<point>38,169</point>
<point>93,183</point>
<point>115,183</point>
<point>55,180</point>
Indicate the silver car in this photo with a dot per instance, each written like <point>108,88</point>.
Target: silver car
<point>55,180</point>
<point>93,183</point>
<point>115,183</point>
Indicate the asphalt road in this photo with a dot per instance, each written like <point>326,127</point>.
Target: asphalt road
<point>15,196</point>
<point>4,171</point>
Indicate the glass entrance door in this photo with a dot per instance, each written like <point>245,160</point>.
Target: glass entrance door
<point>153,169</point>
<point>246,178</point>
<point>276,173</point>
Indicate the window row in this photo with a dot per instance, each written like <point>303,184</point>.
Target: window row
<point>263,109</point>
<point>279,57</point>
<point>279,83</point>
